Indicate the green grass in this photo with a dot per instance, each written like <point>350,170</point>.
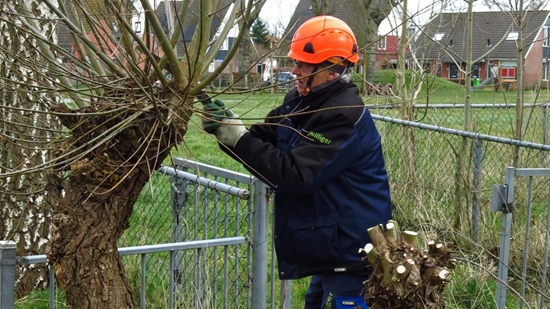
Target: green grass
<point>427,208</point>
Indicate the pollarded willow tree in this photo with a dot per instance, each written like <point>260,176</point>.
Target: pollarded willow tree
<point>121,116</point>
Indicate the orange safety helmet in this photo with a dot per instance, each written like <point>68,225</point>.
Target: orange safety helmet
<point>321,38</point>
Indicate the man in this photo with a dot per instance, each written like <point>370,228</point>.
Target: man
<point>321,153</point>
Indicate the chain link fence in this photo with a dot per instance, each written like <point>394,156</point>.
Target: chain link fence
<point>173,209</point>
<point>441,184</point>
<point>490,119</point>
<point>441,180</point>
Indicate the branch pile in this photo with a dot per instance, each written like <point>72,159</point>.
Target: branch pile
<point>404,275</point>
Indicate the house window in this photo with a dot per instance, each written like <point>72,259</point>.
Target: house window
<point>475,70</point>
<point>544,70</point>
<point>512,36</point>
<point>212,67</point>
<point>489,43</point>
<point>451,43</point>
<point>453,70</point>
<point>225,44</point>
<point>381,42</point>
<point>508,72</point>
<point>116,31</point>
<point>545,38</point>
<point>438,36</point>
<point>137,27</point>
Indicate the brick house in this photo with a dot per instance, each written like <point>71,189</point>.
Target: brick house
<point>386,47</point>
<point>443,41</point>
<point>189,25</point>
<point>106,35</point>
<point>386,52</point>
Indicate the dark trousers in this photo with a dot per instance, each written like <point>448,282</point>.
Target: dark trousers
<point>341,291</point>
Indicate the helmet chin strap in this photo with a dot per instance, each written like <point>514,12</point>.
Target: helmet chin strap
<point>307,89</point>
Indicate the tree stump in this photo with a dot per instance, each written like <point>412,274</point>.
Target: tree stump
<point>404,275</point>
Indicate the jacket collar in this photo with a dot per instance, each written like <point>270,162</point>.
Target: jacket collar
<point>319,94</point>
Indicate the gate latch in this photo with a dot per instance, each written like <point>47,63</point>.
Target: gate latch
<point>499,200</point>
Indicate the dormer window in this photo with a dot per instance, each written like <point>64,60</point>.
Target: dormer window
<point>512,36</point>
<point>438,36</point>
<point>137,27</point>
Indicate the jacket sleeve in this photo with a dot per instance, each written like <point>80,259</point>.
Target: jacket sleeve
<point>310,163</point>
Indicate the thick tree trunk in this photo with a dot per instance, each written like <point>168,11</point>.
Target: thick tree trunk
<point>95,200</point>
<point>86,227</point>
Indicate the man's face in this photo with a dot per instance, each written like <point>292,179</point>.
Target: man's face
<point>303,71</point>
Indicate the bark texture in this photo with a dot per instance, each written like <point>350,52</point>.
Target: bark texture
<point>26,134</point>
<point>96,193</point>
<point>406,276</point>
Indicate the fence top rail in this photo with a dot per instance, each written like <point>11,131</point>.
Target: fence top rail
<point>461,106</point>
<point>186,245</point>
<point>212,184</point>
<point>214,170</point>
<point>485,137</point>
<point>532,172</point>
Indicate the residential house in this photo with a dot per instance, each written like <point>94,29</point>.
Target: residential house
<point>107,35</point>
<point>386,52</point>
<point>386,46</point>
<point>189,25</point>
<point>442,46</point>
<point>268,61</point>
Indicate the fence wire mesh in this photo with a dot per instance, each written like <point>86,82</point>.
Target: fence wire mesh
<point>490,119</point>
<point>425,176</point>
<point>171,209</point>
<point>445,192</point>
<point>437,189</point>
<point>529,239</point>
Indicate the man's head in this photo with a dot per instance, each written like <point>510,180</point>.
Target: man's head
<point>322,47</point>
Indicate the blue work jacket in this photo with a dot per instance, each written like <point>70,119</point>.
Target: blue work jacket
<point>322,155</point>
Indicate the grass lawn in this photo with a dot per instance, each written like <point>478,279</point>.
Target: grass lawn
<point>472,285</point>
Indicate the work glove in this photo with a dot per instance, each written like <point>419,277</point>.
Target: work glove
<point>214,113</point>
<point>222,122</point>
<point>230,130</point>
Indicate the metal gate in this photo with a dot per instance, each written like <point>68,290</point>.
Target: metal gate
<point>517,263</point>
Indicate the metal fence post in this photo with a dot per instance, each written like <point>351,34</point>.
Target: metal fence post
<point>7,274</point>
<point>478,165</point>
<point>544,131</point>
<point>259,245</point>
<point>503,197</point>
<point>178,199</point>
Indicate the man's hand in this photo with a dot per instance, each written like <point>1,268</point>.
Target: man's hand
<point>214,113</point>
<point>222,122</point>
<point>231,130</point>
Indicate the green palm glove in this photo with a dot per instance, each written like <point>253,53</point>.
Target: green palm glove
<point>214,113</point>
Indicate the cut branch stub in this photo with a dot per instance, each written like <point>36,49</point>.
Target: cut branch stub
<point>406,276</point>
